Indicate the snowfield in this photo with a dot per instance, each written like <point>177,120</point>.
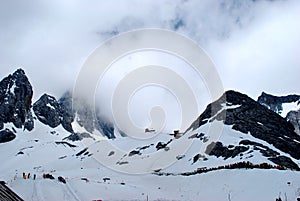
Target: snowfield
<point>88,179</point>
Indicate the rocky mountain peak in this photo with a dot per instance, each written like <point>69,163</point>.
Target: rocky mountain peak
<point>218,109</point>
<point>275,102</point>
<point>67,110</point>
<point>47,110</point>
<point>251,118</point>
<point>15,100</point>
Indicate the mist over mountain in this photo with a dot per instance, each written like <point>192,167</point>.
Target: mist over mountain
<point>16,107</point>
<point>57,143</point>
<point>252,43</point>
<point>261,119</point>
<point>66,130</point>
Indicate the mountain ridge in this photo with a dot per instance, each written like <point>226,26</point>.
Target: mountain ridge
<point>256,145</point>
<point>249,117</point>
<point>234,109</point>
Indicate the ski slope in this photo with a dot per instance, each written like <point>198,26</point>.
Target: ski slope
<point>88,178</point>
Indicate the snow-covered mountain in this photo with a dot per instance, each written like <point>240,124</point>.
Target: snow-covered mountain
<point>255,156</point>
<point>254,129</point>
<point>15,107</point>
<point>67,110</point>
<point>15,101</point>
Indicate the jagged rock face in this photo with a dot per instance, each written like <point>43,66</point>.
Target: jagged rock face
<point>250,117</point>
<point>47,110</point>
<point>67,113</point>
<point>15,100</point>
<point>294,118</point>
<point>275,102</point>
<point>84,113</point>
<point>53,113</point>
<point>85,116</point>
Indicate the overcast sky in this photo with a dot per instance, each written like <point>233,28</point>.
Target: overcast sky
<point>254,44</point>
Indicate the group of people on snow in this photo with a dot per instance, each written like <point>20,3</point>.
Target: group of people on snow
<point>27,176</point>
<point>45,176</point>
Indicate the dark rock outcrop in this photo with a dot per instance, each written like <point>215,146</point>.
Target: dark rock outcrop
<point>266,151</point>
<point>294,118</point>
<point>67,114</point>
<point>219,150</point>
<point>78,136</point>
<point>6,136</point>
<point>160,145</point>
<point>272,155</point>
<point>47,110</point>
<point>15,100</point>
<point>275,102</point>
<point>285,162</point>
<point>53,113</point>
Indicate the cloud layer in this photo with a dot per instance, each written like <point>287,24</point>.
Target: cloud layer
<point>254,44</point>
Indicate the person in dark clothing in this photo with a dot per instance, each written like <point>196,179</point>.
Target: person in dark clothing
<point>24,175</point>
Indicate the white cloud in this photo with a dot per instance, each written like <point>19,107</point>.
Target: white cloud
<point>255,44</point>
<point>263,55</point>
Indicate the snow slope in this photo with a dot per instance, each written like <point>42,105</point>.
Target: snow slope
<point>85,175</point>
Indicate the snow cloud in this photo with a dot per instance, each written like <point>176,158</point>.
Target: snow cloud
<point>254,44</point>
